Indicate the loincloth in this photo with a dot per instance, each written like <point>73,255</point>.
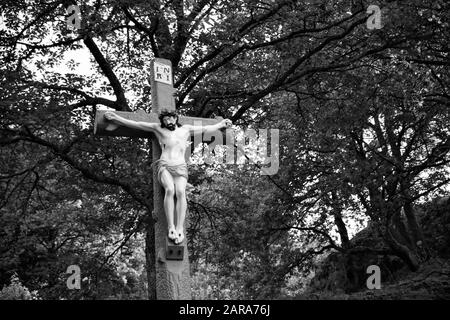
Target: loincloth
<point>175,170</point>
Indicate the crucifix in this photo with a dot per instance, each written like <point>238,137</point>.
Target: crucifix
<point>169,134</point>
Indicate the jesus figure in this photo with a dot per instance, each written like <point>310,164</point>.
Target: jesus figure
<point>171,167</point>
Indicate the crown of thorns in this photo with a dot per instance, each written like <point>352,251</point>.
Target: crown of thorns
<point>167,113</point>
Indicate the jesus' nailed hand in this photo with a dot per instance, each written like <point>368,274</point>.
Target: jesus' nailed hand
<point>171,168</point>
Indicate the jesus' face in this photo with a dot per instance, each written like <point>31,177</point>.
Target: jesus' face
<point>170,122</point>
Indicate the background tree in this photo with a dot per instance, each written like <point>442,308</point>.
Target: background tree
<point>364,136</point>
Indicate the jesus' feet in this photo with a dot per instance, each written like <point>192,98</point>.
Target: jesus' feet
<point>180,236</point>
<point>172,234</point>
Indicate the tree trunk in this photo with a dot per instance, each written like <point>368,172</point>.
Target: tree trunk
<point>413,225</point>
<point>401,230</point>
<point>341,228</point>
<point>337,213</point>
<point>415,229</point>
<point>402,251</point>
<point>416,232</point>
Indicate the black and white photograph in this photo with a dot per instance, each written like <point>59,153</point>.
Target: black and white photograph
<point>243,152</point>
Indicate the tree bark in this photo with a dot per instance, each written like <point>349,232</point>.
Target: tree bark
<point>400,231</point>
<point>402,251</point>
<point>337,212</point>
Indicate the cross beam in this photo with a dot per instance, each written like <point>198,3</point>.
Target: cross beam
<point>103,127</point>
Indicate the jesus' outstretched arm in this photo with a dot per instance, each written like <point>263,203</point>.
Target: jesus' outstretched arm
<point>225,123</point>
<point>115,118</point>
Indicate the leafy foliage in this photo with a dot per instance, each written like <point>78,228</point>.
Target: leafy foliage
<point>17,291</point>
<point>363,118</point>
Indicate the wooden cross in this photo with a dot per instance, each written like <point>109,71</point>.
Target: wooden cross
<point>172,273</point>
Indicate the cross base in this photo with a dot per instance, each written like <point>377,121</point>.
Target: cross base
<point>174,251</point>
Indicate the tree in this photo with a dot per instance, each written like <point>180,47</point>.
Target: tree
<point>252,61</point>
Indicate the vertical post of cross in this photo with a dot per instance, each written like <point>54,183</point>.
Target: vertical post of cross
<point>172,276</point>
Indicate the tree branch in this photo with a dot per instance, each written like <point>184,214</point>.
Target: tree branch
<point>122,104</point>
<point>150,32</point>
<point>62,153</point>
